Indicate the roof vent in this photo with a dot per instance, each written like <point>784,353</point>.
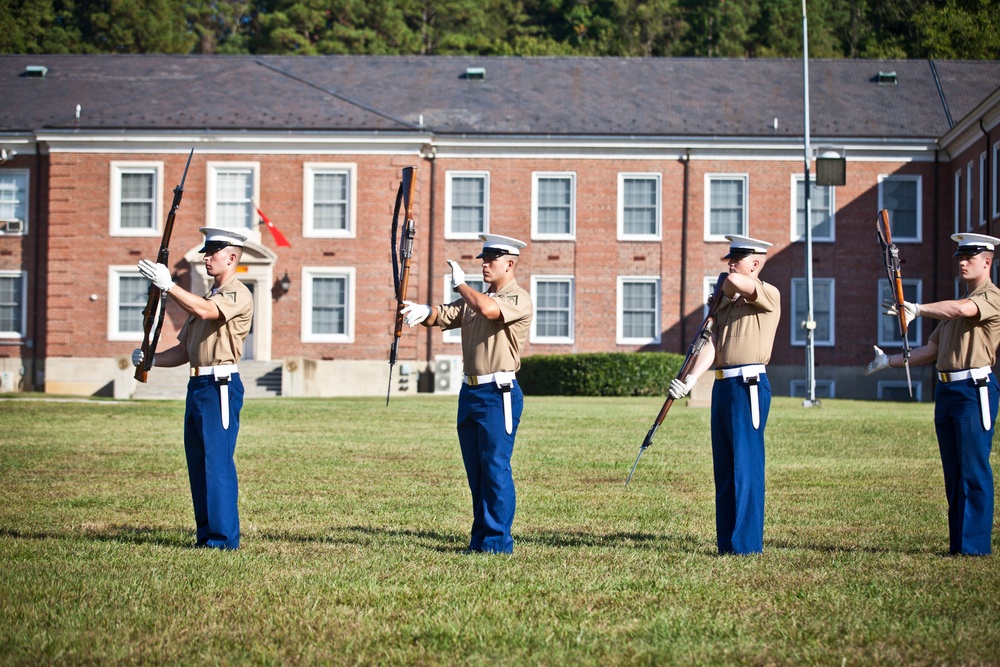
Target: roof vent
<point>36,71</point>
<point>475,73</point>
<point>886,79</point>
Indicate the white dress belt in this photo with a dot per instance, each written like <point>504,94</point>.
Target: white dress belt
<point>745,371</point>
<point>223,369</point>
<point>498,377</point>
<point>974,373</point>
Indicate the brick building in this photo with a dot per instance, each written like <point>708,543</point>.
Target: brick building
<point>622,174</point>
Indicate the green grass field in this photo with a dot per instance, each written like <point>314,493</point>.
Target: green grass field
<point>355,517</point>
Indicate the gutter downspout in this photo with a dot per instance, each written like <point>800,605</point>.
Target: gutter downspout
<point>987,204</point>
<point>429,153</point>
<point>36,284</point>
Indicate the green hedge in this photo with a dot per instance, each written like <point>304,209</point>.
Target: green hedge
<point>604,374</point>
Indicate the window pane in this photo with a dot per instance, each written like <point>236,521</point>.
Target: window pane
<point>13,195</point>
<point>552,308</point>
<point>899,197</point>
<point>819,202</point>
<point>132,294</point>
<point>726,207</point>
<point>639,212</point>
<point>330,201</point>
<point>329,307</point>
<point>554,205</point>
<point>889,326</point>
<point>468,204</point>
<point>639,310</point>
<point>822,309</point>
<point>10,304</point>
<point>234,198</point>
<point>137,199</point>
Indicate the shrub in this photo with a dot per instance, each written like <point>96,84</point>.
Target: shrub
<point>599,374</point>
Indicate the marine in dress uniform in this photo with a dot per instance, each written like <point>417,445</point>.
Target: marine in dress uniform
<point>963,348</point>
<point>745,324</point>
<point>495,327</point>
<point>211,341</point>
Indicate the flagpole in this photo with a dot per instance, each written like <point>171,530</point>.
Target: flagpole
<point>810,323</point>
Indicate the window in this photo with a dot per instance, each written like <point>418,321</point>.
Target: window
<point>467,199</point>
<point>135,198</point>
<point>726,207</point>
<point>824,389</point>
<point>996,178</point>
<point>888,326</point>
<point>553,300</point>
<point>823,311</point>
<point>455,335</point>
<point>328,305</point>
<point>13,303</point>
<point>553,205</point>
<point>821,204</point>
<point>638,310</point>
<point>13,201</point>
<point>127,295</point>
<point>329,192</point>
<point>232,196</point>
<point>900,195</point>
<point>898,390</point>
<point>968,197</point>
<point>982,188</point>
<point>639,206</point>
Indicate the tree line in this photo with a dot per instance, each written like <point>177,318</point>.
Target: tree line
<point>947,29</point>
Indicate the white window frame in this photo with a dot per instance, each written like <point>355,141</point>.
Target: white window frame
<point>473,281</point>
<point>882,385</point>
<point>832,212</point>
<point>553,340</point>
<point>211,198</point>
<point>115,273</point>
<point>657,178</point>
<point>119,169</point>
<point>449,178</point>
<point>745,224</point>
<point>982,188</point>
<point>707,290</point>
<point>915,329</point>
<point>799,284</point>
<point>957,204</point>
<point>968,197</point>
<point>26,204</point>
<point>536,234</point>
<point>824,388</point>
<point>309,172</point>
<point>996,179</point>
<point>620,338</point>
<point>23,275</point>
<point>308,274</point>
<point>899,238</point>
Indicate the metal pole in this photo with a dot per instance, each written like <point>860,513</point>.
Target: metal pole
<point>810,323</point>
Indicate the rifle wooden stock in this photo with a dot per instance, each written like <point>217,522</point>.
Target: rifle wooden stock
<point>890,258</point>
<point>402,254</point>
<point>152,316</point>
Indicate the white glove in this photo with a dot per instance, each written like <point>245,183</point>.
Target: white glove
<point>158,274</point>
<point>138,356</point>
<point>681,388</point>
<point>415,313</point>
<point>881,362</point>
<point>457,274</point>
<point>911,310</point>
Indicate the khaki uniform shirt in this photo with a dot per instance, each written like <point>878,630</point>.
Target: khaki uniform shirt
<point>745,330</point>
<point>489,346</point>
<point>218,342</point>
<point>965,342</point>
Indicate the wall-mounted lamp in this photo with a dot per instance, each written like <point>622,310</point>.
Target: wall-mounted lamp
<point>285,283</point>
<point>831,168</point>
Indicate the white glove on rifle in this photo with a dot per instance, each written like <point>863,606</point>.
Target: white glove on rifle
<point>881,362</point>
<point>911,310</point>
<point>415,313</point>
<point>138,356</point>
<point>681,388</point>
<point>457,274</point>
<point>158,274</point>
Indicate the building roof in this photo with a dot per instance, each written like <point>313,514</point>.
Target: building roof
<point>547,96</point>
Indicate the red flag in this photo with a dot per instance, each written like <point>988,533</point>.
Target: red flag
<point>279,238</point>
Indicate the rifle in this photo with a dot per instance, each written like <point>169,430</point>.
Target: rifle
<point>403,250</point>
<point>890,258</point>
<point>156,303</point>
<point>702,337</point>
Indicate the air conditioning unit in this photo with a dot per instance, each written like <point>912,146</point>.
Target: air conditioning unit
<point>447,374</point>
<point>11,226</point>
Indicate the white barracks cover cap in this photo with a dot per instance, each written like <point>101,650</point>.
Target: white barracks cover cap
<point>740,246</point>
<point>973,244</point>
<point>217,238</point>
<point>494,244</point>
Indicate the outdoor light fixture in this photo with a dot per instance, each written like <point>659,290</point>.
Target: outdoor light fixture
<point>831,168</point>
<point>286,282</point>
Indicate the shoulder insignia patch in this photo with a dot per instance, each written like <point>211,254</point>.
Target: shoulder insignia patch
<point>512,297</point>
<point>230,295</point>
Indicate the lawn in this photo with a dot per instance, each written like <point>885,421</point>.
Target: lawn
<point>355,517</point>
